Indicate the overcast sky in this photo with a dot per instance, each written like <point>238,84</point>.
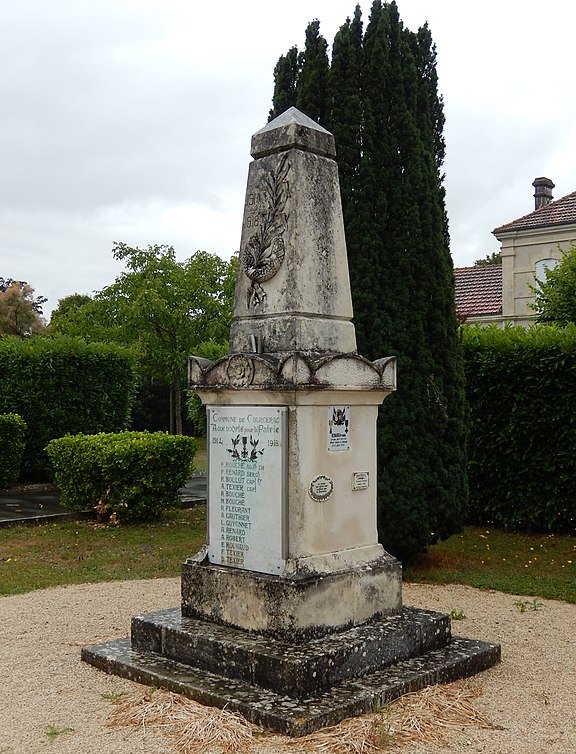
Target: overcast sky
<point>130,120</point>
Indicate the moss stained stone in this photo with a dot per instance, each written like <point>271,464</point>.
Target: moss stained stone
<point>274,709</point>
<point>317,632</point>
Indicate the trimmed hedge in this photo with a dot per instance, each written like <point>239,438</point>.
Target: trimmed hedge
<point>521,389</point>
<point>12,437</point>
<point>126,477</point>
<point>63,386</point>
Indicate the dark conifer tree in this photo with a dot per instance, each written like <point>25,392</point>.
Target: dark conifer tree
<point>387,117</point>
<point>311,92</point>
<point>344,111</point>
<point>285,79</point>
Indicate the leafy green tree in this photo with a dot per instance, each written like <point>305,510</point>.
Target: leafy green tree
<point>387,117</point>
<point>556,295</point>
<point>165,309</point>
<point>20,310</point>
<point>489,259</point>
<point>66,307</point>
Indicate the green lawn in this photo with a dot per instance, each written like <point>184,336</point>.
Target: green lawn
<point>527,564</point>
<point>73,552</point>
<point>200,457</point>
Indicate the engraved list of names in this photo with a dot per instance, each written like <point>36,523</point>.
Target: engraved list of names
<point>246,486</point>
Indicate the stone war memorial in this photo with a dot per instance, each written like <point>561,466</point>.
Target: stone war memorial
<point>292,613</point>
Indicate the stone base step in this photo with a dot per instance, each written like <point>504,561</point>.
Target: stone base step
<point>278,712</point>
<point>296,670</point>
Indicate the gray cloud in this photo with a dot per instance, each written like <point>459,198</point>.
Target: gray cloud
<point>131,120</point>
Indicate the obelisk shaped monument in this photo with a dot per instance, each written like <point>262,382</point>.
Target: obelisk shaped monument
<point>293,290</point>
<point>292,411</point>
<point>292,613</point>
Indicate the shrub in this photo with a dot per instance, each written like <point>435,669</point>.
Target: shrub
<point>522,426</point>
<point>12,434</point>
<point>126,477</point>
<point>63,386</point>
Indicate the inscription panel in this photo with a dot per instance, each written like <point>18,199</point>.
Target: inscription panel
<point>246,483</point>
<point>360,480</point>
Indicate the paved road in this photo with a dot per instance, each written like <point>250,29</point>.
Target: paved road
<point>37,504</point>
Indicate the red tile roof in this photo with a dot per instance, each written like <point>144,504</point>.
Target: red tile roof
<point>560,212</point>
<point>478,290</point>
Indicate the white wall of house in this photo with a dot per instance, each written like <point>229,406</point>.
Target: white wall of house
<point>486,319</point>
<point>521,250</point>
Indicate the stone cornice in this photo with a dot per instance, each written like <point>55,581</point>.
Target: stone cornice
<point>293,370</point>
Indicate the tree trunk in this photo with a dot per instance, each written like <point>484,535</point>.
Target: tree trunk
<point>172,409</point>
<point>177,407</point>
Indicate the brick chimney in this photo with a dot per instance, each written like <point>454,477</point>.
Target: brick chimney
<point>542,192</point>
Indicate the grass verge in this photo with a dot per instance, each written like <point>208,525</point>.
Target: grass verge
<point>200,457</point>
<point>539,565</point>
<point>76,552</point>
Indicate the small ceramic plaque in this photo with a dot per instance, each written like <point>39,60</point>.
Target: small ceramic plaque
<point>338,428</point>
<point>360,480</point>
<point>321,487</point>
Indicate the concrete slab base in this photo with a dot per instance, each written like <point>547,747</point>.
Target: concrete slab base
<point>321,682</point>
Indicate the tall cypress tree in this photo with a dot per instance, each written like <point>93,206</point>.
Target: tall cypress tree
<point>286,73</point>
<point>301,78</point>
<point>311,92</point>
<point>344,109</point>
<point>385,112</point>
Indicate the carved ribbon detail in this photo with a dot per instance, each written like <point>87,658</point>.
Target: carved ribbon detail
<point>262,255</point>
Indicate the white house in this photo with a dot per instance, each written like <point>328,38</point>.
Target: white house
<point>529,245</point>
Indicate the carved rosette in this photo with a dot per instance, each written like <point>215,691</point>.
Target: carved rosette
<point>263,254</point>
<point>240,371</point>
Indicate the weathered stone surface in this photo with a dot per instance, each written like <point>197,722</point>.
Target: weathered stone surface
<point>293,350</point>
<point>293,130</point>
<point>309,534</point>
<point>293,370</point>
<point>285,714</point>
<point>294,608</point>
<point>316,631</point>
<point>293,289</point>
<point>297,670</point>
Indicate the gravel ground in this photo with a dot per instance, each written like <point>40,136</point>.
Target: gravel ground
<point>530,694</point>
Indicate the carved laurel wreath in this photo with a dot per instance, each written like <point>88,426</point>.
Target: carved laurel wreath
<point>262,256</point>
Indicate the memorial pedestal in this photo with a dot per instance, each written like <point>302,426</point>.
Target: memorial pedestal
<point>293,608</point>
<point>292,614</point>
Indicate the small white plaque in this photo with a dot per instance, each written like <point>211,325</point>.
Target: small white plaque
<point>246,461</point>
<point>338,428</point>
<point>360,480</point>
<point>321,488</point>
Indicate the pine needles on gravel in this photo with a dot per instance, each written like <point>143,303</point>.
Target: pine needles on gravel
<point>430,715</point>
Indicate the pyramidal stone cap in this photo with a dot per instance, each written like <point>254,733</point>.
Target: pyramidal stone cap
<point>293,130</point>
<point>293,287</point>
